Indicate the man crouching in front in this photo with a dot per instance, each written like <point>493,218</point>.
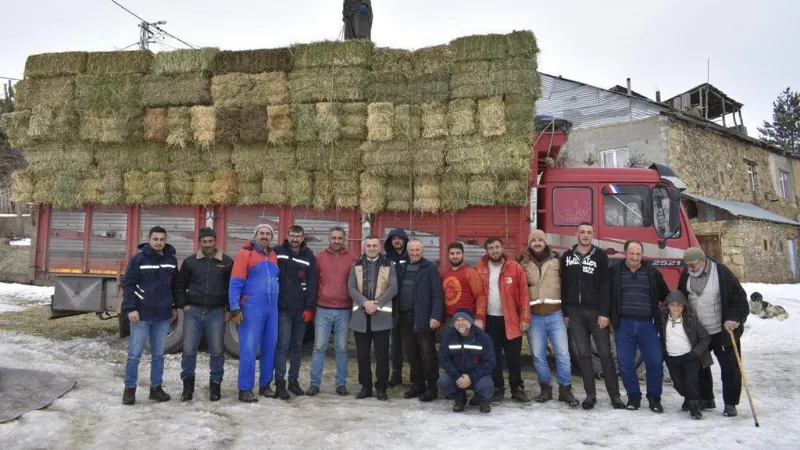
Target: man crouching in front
<point>467,355</point>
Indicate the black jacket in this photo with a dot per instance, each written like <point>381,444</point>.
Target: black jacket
<point>584,281</point>
<point>204,281</point>
<point>658,292</point>
<point>428,297</point>
<point>472,354</point>
<point>297,276</point>
<point>732,294</point>
<point>149,286</point>
<point>697,335</point>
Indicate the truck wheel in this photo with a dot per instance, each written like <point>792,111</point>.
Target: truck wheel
<point>174,342</point>
<point>124,325</point>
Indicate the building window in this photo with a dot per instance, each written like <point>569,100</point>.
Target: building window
<point>751,175</point>
<point>783,182</point>
<point>615,157</point>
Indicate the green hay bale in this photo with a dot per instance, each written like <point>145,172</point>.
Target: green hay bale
<point>282,159</point>
<point>323,190</point>
<point>299,188</point>
<point>56,123</point>
<point>431,60</point>
<point>342,155</point>
<point>201,193</point>
<point>226,121</point>
<point>279,125</point>
<point>481,190</point>
<point>15,125</point>
<point>254,61</point>
<point>349,53</point>
<point>454,193</point>
<point>427,194</point>
<point>223,189</point>
<point>55,157</point>
<point>179,124</point>
<point>516,77</point>
<point>204,125</point>
<point>389,87</point>
<point>241,89</point>
<point>218,157</point>
<point>181,186</point>
<point>67,190</point>
<point>181,90</point>
<point>346,189</point>
<point>512,192</point>
<point>399,194</point>
<point>480,47</point>
<point>176,62</point>
<point>156,125</point>
<point>313,156</point>
<point>407,122</point>
<point>329,122</point>
<point>304,121</point>
<point>157,191</point>
<point>338,84</point>
<point>386,159</point>
<point>117,63</point>
<point>467,156</point>
<point>188,159</point>
<point>393,60</point>
<point>103,189</point>
<point>380,121</point>
<point>427,157</point>
<point>434,87</point>
<point>23,184</point>
<point>48,65</point>
<point>509,157</point>
<point>253,124</point>
<point>253,159</point>
<point>492,116</point>
<point>461,117</point>
<point>116,158</point>
<point>475,80</point>
<point>43,190</point>
<point>50,92</point>
<point>248,189</point>
<point>273,189</point>
<point>434,120</point>
<point>111,126</point>
<point>372,194</point>
<point>354,121</point>
<point>522,44</point>
<point>520,116</point>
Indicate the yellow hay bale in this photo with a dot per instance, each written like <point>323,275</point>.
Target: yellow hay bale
<point>354,121</point>
<point>157,191</point>
<point>279,124</point>
<point>454,193</point>
<point>204,125</point>
<point>273,189</point>
<point>427,157</point>
<point>241,89</point>
<point>372,194</point>
<point>509,157</point>
<point>434,120</point>
<point>333,54</point>
<point>380,121</point>
<point>467,156</point>
<point>223,189</point>
<point>201,195</point>
<point>188,159</point>
<point>329,122</point>
<point>219,157</point>
<point>482,190</point>
<point>111,126</point>
<point>135,183</point>
<point>43,190</point>
<point>179,90</point>
<point>337,84</point>
<point>119,62</point>
<point>407,122</point>
<point>202,60</point>
<point>393,60</point>
<point>179,122</point>
<point>248,189</point>
<point>107,91</point>
<point>461,117</point>
<point>520,115</point>
<point>427,194</point>
<point>387,158</point>
<point>23,185</point>
<point>156,125</point>
<point>323,190</point>
<point>253,124</point>
<point>434,87</point>
<point>181,186</point>
<point>342,155</point>
<point>430,60</point>
<point>492,116</point>
<point>399,194</point>
<point>299,188</point>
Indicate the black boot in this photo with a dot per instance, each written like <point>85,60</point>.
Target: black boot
<point>485,407</point>
<point>565,395</point>
<point>546,393</point>
<point>708,404</point>
<point>519,395</point>
<point>129,396</point>
<point>188,389</point>
<point>634,403</point>
<point>729,411</point>
<point>214,391</point>
<point>364,392</point>
<point>497,398</point>
<point>381,395</point>
<point>685,405</point>
<point>396,379</point>
<point>475,400</point>
<point>430,394</point>
<point>617,403</point>
<point>694,409</point>
<point>655,404</point>
<point>414,391</point>
<point>266,391</point>
<point>312,391</point>
<point>294,388</point>
<point>158,394</point>
<point>589,402</point>
<point>280,391</point>
<point>460,402</point>
<point>247,397</point>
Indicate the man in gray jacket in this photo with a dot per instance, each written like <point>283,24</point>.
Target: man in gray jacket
<point>372,285</point>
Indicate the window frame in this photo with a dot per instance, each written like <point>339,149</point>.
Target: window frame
<point>783,182</point>
<point>613,152</point>
<point>646,202</point>
<point>751,175</point>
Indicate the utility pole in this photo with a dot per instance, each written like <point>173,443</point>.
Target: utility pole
<point>146,35</point>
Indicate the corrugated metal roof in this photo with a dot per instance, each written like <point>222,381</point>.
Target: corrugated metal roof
<point>743,209</point>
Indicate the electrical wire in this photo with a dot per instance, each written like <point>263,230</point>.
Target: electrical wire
<point>154,25</point>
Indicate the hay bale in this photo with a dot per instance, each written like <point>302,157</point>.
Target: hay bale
<point>194,61</point>
<point>517,76</point>
<point>427,157</point>
<point>522,44</point>
<point>304,121</point>
<point>279,124</point>
<point>467,156</point>
<point>218,157</point>
<point>313,156</point>
<point>299,188</point>
<point>427,197</point>
<point>179,124</point>
<point>433,87</point>
<point>188,159</point>
<point>407,122</point>
<point>338,84</point>
<point>342,155</point>
<point>509,157</point>
<point>461,117</point>
<point>273,189</point>
<point>241,89</point>
<point>47,65</point>
<point>253,124</point>
<point>250,159</point>
<point>372,198</point>
<point>117,63</point>
<point>116,157</point>
<point>156,125</point>
<point>481,190</point>
<point>181,187</point>
<point>520,116</point>
<point>107,91</point>
<point>180,90</point>
<point>43,190</point>
<point>323,190</point>
<point>333,54</point>
<point>387,158</point>
<point>454,193</point>
<point>254,61</point>
<point>393,60</point>
<point>226,121</point>
<point>512,192</point>
<point>354,121</point>
<point>432,60</point>
<point>492,116</point>
<point>248,189</point>
<point>23,184</point>
<point>55,157</point>
<point>50,92</point>
<point>204,125</point>
<point>67,190</point>
<point>434,120</point>
<point>15,125</point>
<point>103,189</point>
<point>380,121</point>
<point>56,123</point>
<point>480,47</point>
<point>223,189</point>
<point>389,87</point>
<point>399,194</point>
<point>111,126</point>
<point>329,122</point>
<point>346,189</point>
<point>475,80</point>
<point>201,195</point>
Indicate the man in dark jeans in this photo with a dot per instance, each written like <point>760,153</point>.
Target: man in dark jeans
<point>586,304</point>
<point>296,298</point>
<point>203,294</point>
<point>395,249</point>
<point>418,315</point>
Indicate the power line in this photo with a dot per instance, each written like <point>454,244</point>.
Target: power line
<point>128,46</point>
<point>11,78</point>
<point>145,27</point>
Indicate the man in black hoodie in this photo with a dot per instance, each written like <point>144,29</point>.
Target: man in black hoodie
<point>395,249</point>
<point>586,304</point>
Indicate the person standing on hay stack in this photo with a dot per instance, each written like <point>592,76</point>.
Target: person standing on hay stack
<point>296,298</point>
<point>357,17</point>
<point>253,297</point>
<point>372,285</point>
<point>203,284</point>
<point>396,251</point>
<point>149,290</point>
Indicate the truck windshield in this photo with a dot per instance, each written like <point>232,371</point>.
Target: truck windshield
<point>626,205</point>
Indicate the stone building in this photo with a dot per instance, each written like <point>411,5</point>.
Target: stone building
<point>742,194</point>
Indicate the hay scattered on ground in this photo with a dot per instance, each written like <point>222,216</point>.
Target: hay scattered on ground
<point>156,125</point>
<point>492,116</point>
<point>380,121</point>
<point>223,189</point>
<point>354,121</point>
<point>386,159</point>
<point>103,189</point>
<point>461,117</point>
<point>253,124</point>
<point>67,190</point>
<point>195,61</point>
<point>427,194</point>
<point>332,54</point>
<point>15,125</point>
<point>299,188</point>
<point>179,123</point>
<point>241,89</point>
<point>338,84</point>
<point>254,61</point>
<point>226,121</point>
<point>399,194</point>
<point>204,125</point>
<point>389,87</point>
<point>57,123</point>
<point>23,184</point>
<point>201,195</point>
<point>107,91</point>
<point>454,193</point>
<point>467,156</point>
<point>481,190</point>
<point>434,120</point>
<point>111,126</point>
<point>512,192</point>
<point>407,122</point>
<point>304,121</point>
<point>51,92</point>
<point>55,157</point>
<point>248,189</point>
<point>427,157</point>
<point>372,194</point>
<point>279,124</point>
<point>116,63</point>
<point>273,189</point>
<point>47,65</point>
<point>329,122</point>
<point>479,47</point>
<point>180,90</point>
<point>520,116</point>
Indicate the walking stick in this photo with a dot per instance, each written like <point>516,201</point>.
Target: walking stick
<point>744,377</point>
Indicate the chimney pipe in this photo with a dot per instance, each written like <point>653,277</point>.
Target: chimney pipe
<point>629,86</point>
<point>658,96</point>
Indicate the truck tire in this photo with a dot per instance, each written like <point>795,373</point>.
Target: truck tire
<point>174,342</point>
<point>124,325</point>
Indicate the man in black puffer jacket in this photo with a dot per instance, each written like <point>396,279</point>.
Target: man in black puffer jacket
<point>203,294</point>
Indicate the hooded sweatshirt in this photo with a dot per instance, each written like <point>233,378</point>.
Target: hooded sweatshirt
<point>584,281</point>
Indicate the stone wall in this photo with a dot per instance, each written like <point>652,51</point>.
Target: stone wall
<point>645,139</point>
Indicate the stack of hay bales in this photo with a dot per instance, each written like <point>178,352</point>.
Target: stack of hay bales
<point>323,125</point>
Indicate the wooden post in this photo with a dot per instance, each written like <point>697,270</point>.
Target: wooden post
<point>741,121</point>
<point>706,101</point>
<point>700,92</point>
<point>734,119</point>
<point>723,112</point>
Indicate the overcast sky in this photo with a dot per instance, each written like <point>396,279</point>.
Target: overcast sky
<point>754,47</point>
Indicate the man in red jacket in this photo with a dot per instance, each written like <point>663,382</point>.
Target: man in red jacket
<point>334,308</point>
<point>461,284</point>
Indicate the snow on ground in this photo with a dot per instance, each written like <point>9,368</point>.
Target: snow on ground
<point>21,242</point>
<point>16,297</point>
<point>92,416</point>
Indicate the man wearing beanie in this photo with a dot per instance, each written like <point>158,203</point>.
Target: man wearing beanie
<point>253,296</point>
<point>203,283</point>
<point>467,356</point>
<point>542,269</point>
<point>720,303</point>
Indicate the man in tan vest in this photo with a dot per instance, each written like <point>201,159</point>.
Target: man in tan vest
<point>542,269</point>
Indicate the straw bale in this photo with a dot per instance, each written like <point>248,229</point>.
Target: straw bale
<point>111,126</point>
<point>180,90</point>
<point>299,188</point>
<point>509,157</point>
<point>181,187</point>
<point>461,117</point>
<point>393,60</point>
<point>156,125</point>
<point>195,61</point>
<point>372,197</point>
<point>50,92</point>
<point>433,87</point>
<point>467,156</point>
<point>254,61</point>
<point>407,122</point>
<point>520,116</point>
<point>427,194</point>
<point>427,157</point>
<point>103,189</point>
<point>387,158</point>
<point>204,125</point>
<point>241,89</point>
<point>43,190</point>
<point>431,60</point>
<point>518,76</point>
<point>273,189</point>
<point>15,125</point>
<point>121,62</point>
<point>226,121</point>
<point>279,124</point>
<point>67,190</point>
<point>304,121</point>
<point>53,123</point>
<point>522,44</point>
<point>253,124</point>
<point>481,190</point>
<point>55,157</point>
<point>333,54</point>
<point>329,122</point>
<point>346,189</point>
<point>475,80</point>
<point>179,123</point>
<point>218,157</point>
<point>454,193</point>
<point>389,87</point>
<point>47,65</point>
<point>201,195</point>
<point>399,194</point>
<point>223,189</point>
<point>480,47</point>
<point>323,190</point>
<point>116,157</point>
<point>492,116</point>
<point>338,84</point>
<point>313,156</point>
<point>434,120</point>
<point>249,159</point>
<point>248,189</point>
<point>380,121</point>
<point>512,192</point>
<point>23,184</point>
<point>354,121</point>
<point>107,91</point>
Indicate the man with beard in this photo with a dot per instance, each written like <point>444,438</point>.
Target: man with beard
<point>506,315</point>
<point>720,303</point>
<point>395,250</point>
<point>542,270</point>
<point>587,308</point>
<point>462,285</point>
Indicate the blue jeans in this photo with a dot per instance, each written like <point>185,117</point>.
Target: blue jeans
<point>259,328</point>
<point>337,321</point>
<point>553,327</point>
<point>483,387</point>
<point>291,330</point>
<point>157,332</point>
<point>196,321</point>
<point>633,334</point>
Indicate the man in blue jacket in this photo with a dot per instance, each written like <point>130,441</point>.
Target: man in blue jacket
<point>296,298</point>
<point>149,292</point>
<point>395,249</point>
<point>467,356</point>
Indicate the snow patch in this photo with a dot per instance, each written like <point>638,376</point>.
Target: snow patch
<point>21,242</point>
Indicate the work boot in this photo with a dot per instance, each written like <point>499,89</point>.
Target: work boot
<point>497,398</point>
<point>280,391</point>
<point>414,391</point>
<point>312,391</point>
<point>214,391</point>
<point>188,389</point>
<point>294,388</point>
<point>634,403</point>
<point>729,411</point>
<point>475,400</point>
<point>158,394</point>
<point>565,395</point>
<point>685,405</point>
<point>266,391</point>
<point>485,407</point>
<point>460,401</point>
<point>655,404</point>
<point>364,392</point>
<point>430,394</point>
<point>617,403</point>
<point>129,396</point>
<point>519,395</point>
<point>694,409</point>
<point>396,379</point>
<point>589,402</point>
<point>342,390</point>
<point>247,397</point>
<point>546,393</point>
<point>708,404</point>
<point>382,396</point>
